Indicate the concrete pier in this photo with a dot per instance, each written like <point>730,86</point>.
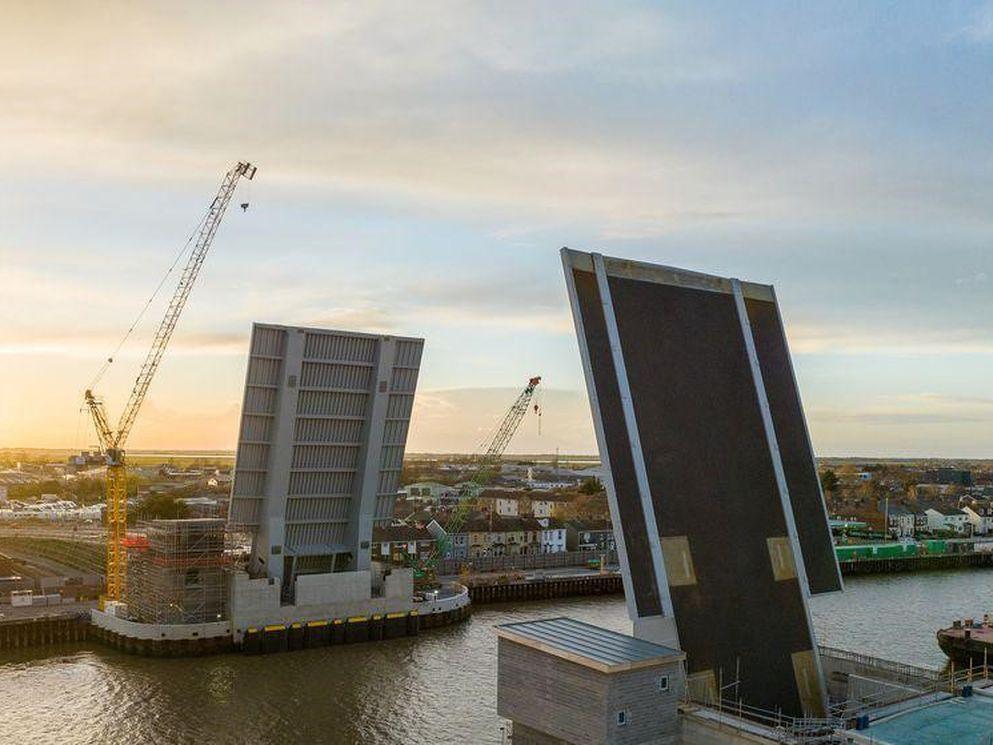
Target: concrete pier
<point>286,629</point>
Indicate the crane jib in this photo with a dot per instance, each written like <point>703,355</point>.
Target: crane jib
<point>113,442</point>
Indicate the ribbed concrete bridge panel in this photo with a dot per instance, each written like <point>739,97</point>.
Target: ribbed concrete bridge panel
<point>323,431</point>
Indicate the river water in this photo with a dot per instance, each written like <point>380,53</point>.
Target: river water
<point>439,687</point>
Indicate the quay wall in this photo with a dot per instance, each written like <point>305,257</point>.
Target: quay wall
<point>59,628</point>
<point>313,626</point>
<point>915,563</point>
<point>161,640</point>
<point>523,562</point>
<point>602,584</point>
<point>552,587</point>
<point>276,635</point>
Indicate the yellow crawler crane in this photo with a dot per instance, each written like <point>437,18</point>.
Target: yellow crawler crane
<point>112,441</point>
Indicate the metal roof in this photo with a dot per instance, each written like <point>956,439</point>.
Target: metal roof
<point>589,645</point>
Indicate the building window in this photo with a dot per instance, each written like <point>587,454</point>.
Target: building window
<point>663,683</point>
<point>622,718</point>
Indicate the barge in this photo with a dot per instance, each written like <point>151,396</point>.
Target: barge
<point>968,642</point>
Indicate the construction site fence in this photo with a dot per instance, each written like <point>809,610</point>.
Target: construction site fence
<point>524,562</point>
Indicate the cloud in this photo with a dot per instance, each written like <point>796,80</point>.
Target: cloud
<point>211,426</point>
<point>980,29</point>
<point>979,278</point>
<point>419,165</point>
<point>953,400</point>
<point>372,319</point>
<point>912,409</point>
<point>846,339</point>
<point>95,344</point>
<point>897,418</point>
<point>524,110</point>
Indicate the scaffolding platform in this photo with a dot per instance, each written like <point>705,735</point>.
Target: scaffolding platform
<point>177,572</point>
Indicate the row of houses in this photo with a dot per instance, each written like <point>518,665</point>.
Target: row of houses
<point>972,518</point>
<point>503,502</point>
<point>975,519</point>
<point>514,503</point>
<point>496,536</point>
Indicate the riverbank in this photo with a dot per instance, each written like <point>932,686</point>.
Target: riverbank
<point>58,629</point>
<point>889,565</point>
<point>48,627</point>
<point>546,588</point>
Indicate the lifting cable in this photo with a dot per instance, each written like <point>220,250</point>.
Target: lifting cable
<point>539,406</point>
<point>107,362</point>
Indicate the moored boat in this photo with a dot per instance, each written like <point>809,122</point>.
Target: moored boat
<point>968,642</point>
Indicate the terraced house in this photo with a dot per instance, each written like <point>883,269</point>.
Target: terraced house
<point>503,536</point>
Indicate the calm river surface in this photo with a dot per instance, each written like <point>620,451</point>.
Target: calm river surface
<point>436,688</point>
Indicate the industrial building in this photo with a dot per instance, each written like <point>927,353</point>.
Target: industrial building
<point>320,449</point>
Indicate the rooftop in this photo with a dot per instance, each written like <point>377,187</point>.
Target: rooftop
<point>383,534</point>
<point>500,524</point>
<point>588,645</point>
<point>949,511</point>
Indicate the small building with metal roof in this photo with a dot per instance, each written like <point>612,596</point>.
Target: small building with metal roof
<point>560,680</point>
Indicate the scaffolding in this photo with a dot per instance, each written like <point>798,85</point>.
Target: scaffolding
<point>177,572</point>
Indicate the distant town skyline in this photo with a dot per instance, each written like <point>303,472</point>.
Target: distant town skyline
<point>420,167</point>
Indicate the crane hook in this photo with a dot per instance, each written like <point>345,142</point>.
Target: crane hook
<point>244,206</point>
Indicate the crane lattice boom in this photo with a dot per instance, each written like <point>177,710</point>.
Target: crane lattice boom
<point>113,442</point>
<point>508,426</point>
<point>208,228</point>
<point>481,474</point>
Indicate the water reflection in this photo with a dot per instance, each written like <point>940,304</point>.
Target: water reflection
<point>439,687</point>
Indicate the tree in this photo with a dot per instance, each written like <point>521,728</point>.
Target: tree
<point>591,486</point>
<point>585,507</point>
<point>829,481</point>
<point>161,506</point>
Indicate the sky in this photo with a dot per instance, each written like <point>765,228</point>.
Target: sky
<point>420,165</point>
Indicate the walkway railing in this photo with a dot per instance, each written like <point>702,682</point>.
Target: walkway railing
<point>736,716</point>
<point>950,682</point>
<point>878,663</point>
